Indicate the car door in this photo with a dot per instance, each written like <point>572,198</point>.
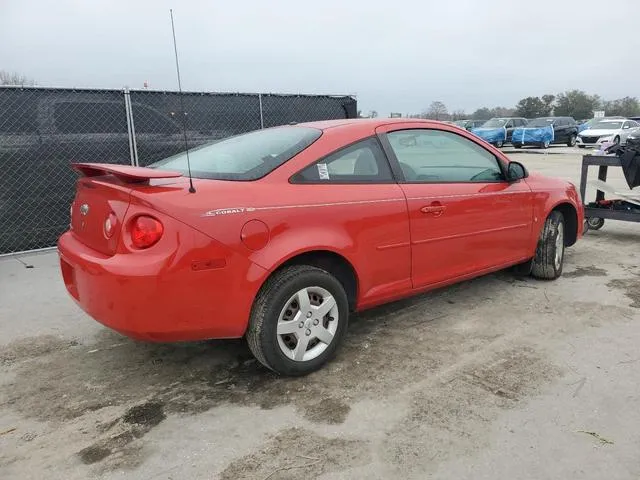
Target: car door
<point>510,127</point>
<point>355,189</point>
<point>559,130</point>
<point>627,128</point>
<point>464,217</point>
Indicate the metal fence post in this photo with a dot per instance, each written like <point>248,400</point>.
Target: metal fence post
<point>127,107</point>
<point>261,115</point>
<point>133,133</point>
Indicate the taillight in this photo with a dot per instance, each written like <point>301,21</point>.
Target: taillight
<point>145,231</point>
<point>110,225</point>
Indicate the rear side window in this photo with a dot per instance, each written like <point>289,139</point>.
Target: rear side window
<point>244,157</point>
<point>361,162</point>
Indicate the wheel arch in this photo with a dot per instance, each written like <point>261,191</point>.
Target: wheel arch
<point>570,215</point>
<point>333,262</point>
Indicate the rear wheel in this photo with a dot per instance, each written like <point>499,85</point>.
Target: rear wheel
<point>549,259</point>
<point>545,144</point>
<point>517,145</point>
<point>499,144</point>
<point>298,320</point>
<point>572,141</point>
<point>616,141</point>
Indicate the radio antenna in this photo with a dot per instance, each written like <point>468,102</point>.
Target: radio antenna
<point>184,114</point>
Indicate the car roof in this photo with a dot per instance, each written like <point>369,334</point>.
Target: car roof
<point>371,122</point>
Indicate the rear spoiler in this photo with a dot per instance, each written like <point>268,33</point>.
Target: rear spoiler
<point>125,173</point>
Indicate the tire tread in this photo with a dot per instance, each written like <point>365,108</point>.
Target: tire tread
<point>259,311</point>
<point>544,261</point>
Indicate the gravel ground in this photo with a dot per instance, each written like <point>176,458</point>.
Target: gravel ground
<point>492,378</point>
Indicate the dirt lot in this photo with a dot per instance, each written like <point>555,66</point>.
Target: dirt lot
<point>492,378</point>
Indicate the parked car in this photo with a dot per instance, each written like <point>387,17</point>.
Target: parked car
<point>615,130</point>
<point>544,131</point>
<point>289,229</point>
<point>633,139</point>
<point>498,131</point>
<point>469,124</point>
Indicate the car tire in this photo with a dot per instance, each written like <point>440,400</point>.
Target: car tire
<point>498,144</point>
<point>517,145</point>
<point>581,146</point>
<point>572,141</point>
<point>595,223</point>
<point>544,145</point>
<point>549,259</point>
<point>274,311</point>
<point>616,141</point>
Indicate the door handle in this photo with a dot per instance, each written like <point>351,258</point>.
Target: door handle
<point>435,208</point>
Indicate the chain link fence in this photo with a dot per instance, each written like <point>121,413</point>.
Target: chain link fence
<point>43,130</point>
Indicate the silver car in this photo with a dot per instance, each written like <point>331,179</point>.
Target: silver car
<point>615,130</point>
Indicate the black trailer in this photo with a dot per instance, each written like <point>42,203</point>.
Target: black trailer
<point>596,212</point>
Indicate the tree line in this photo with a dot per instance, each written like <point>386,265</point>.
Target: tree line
<point>573,103</point>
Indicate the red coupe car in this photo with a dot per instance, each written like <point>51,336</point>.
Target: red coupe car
<point>289,229</point>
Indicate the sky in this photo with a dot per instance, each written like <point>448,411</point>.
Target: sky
<point>395,56</point>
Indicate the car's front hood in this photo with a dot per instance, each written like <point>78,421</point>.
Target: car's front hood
<point>598,133</point>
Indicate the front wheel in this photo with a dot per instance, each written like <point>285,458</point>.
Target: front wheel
<point>517,145</point>
<point>572,141</point>
<point>499,144</point>
<point>545,144</point>
<point>549,258</point>
<point>298,320</point>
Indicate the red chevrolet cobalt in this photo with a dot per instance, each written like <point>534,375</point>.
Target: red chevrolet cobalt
<point>287,230</point>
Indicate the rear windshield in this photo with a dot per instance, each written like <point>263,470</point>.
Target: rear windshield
<point>248,156</point>
<point>541,122</point>
<point>495,123</point>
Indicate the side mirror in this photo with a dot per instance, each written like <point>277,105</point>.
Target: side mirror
<point>516,171</point>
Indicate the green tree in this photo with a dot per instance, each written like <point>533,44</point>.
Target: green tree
<point>548,101</point>
<point>502,112</point>
<point>481,114</point>
<point>576,104</point>
<point>532,107</point>
<point>626,107</point>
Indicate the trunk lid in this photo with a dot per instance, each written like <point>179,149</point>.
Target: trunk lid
<point>103,193</point>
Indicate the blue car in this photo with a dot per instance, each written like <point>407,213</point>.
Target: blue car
<point>543,131</point>
<point>498,131</point>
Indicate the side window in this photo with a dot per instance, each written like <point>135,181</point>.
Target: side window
<point>509,124</point>
<point>362,162</point>
<point>436,156</point>
<point>519,122</point>
<point>626,125</point>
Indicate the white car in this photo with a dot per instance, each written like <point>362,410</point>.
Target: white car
<point>615,130</point>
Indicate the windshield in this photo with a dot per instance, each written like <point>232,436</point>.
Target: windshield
<point>461,123</point>
<point>494,123</point>
<point>605,125</point>
<point>248,156</point>
<point>540,122</point>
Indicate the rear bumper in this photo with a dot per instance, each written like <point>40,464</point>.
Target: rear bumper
<point>188,291</point>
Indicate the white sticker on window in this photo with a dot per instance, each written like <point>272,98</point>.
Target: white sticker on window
<point>323,171</point>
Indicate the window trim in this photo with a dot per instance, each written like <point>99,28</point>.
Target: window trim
<point>393,180</point>
<point>399,174</point>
